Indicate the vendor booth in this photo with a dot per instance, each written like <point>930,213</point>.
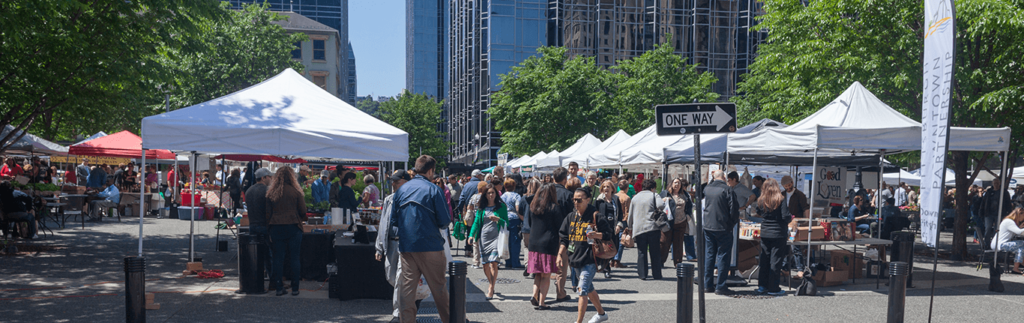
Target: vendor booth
<point>285,115</point>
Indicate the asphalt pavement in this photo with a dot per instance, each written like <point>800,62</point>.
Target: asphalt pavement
<point>77,275</point>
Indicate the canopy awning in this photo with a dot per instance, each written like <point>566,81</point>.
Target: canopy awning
<point>285,115</point>
<point>122,144</point>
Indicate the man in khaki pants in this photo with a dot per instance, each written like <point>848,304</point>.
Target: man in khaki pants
<point>418,213</point>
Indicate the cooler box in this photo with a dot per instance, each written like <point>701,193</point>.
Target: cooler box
<point>185,211</point>
<point>187,199</point>
<point>209,212</point>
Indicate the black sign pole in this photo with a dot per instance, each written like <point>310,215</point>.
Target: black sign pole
<point>700,229</point>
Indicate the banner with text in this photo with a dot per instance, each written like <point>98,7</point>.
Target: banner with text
<point>938,76</point>
<point>829,185</point>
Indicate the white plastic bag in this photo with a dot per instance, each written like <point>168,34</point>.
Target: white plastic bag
<point>503,252</point>
<point>422,290</point>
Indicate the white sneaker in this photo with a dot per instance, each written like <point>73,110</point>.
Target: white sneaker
<point>599,318</point>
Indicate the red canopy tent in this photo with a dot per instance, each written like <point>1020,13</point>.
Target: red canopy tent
<point>122,144</point>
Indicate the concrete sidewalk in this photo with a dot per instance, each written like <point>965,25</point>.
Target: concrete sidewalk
<point>81,279</point>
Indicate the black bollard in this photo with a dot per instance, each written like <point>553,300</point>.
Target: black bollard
<point>247,271</point>
<point>684,293</point>
<point>135,289</point>
<point>897,290</point>
<point>457,271</point>
<point>903,250</point>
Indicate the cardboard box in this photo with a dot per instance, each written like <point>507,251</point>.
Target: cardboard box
<point>849,261</point>
<point>244,222</point>
<point>818,233</point>
<point>153,306</point>
<point>831,278</point>
<point>194,266</point>
<point>843,231</point>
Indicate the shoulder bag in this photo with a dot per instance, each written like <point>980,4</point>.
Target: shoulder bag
<point>659,217</point>
<point>603,249</point>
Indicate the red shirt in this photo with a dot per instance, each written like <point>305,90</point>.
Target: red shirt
<point>6,171</point>
<point>171,177</point>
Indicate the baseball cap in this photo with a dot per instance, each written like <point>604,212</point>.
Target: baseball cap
<point>262,172</point>
<point>325,173</point>
<point>477,172</point>
<point>400,175</point>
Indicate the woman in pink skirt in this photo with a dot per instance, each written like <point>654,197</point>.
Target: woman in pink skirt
<point>545,220</point>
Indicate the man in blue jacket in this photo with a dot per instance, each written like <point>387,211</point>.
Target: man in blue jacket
<point>322,187</point>
<point>419,212</point>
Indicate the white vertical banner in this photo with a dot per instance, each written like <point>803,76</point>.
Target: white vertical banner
<point>938,76</point>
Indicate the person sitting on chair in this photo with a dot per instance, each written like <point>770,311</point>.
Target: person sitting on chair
<point>109,197</point>
<point>17,207</point>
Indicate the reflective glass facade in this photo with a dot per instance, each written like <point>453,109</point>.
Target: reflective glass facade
<point>486,38</point>
<point>426,47</point>
<point>333,13</point>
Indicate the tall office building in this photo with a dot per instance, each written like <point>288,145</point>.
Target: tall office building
<point>351,82</point>
<point>488,37</point>
<point>334,14</point>
<point>426,47</point>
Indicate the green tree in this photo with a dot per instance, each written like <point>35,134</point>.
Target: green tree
<point>420,116</point>
<point>78,62</point>
<point>814,52</point>
<point>369,106</point>
<point>548,101</point>
<point>237,53</point>
<point>659,76</point>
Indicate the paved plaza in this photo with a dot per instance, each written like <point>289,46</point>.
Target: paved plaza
<point>76,276</point>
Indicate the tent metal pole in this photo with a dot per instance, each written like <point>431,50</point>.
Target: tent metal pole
<point>192,216</point>
<point>1001,191</point>
<point>810,212</point>
<point>142,199</point>
<point>878,195</point>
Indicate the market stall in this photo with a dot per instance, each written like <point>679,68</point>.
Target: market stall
<point>285,115</point>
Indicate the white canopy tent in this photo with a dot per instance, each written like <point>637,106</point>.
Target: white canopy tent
<point>32,144</point>
<point>581,156</point>
<point>286,115</point>
<point>712,146</point>
<point>612,155</point>
<point>518,161</point>
<point>553,161</point>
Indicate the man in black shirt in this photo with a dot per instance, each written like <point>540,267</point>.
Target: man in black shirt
<point>564,199</point>
<point>256,201</point>
<point>721,214</point>
<point>989,209</point>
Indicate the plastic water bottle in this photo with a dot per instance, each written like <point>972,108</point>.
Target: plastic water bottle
<point>327,219</point>
<point>589,230</point>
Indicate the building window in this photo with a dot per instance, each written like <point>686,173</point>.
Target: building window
<point>320,81</point>
<point>297,52</point>
<point>319,50</point>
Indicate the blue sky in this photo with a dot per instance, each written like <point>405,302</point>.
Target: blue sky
<point>376,29</point>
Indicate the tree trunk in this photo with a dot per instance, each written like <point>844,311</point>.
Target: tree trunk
<point>963,211</point>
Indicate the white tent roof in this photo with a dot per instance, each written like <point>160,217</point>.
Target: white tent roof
<point>553,161</point>
<point>854,124</point>
<point>518,161</point>
<point>285,115</point>
<point>651,152</point>
<point>94,136</point>
<point>30,143</point>
<point>611,155</point>
<point>712,146</point>
<point>532,161</point>
<point>580,157</point>
<point>902,176</point>
<point>549,162</point>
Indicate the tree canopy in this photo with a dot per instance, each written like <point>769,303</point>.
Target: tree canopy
<point>549,101</point>
<point>420,116</point>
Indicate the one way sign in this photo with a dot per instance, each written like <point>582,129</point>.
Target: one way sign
<point>675,119</point>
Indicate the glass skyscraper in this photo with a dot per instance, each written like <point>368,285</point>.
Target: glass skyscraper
<point>426,47</point>
<point>333,13</point>
<point>488,37</point>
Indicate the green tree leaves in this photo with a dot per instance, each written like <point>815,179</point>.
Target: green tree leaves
<point>420,116</point>
<point>550,100</point>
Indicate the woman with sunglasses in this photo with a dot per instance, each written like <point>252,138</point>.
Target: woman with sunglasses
<point>491,217</point>
<point>579,231</point>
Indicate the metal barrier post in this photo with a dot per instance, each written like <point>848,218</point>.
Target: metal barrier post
<point>684,293</point>
<point>135,289</point>
<point>457,271</point>
<point>897,291</point>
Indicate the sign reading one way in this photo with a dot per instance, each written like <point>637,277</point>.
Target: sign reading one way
<point>675,119</point>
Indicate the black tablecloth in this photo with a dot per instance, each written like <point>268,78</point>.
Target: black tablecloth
<point>360,275</point>
<point>316,254</point>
